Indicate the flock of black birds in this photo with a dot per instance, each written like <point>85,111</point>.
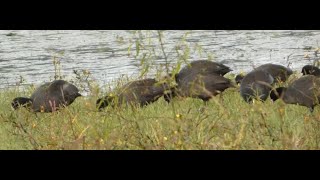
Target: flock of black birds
<point>201,79</point>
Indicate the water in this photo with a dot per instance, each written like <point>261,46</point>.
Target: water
<point>29,54</point>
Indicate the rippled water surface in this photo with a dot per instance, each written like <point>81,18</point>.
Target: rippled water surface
<point>29,53</point>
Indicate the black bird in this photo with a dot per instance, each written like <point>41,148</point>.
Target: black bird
<point>202,86</point>
<point>202,67</point>
<point>304,91</point>
<point>310,70</point>
<point>256,84</point>
<point>278,72</point>
<point>140,92</point>
<point>239,78</point>
<point>49,97</point>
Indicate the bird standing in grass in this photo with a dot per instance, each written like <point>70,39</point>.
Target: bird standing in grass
<point>140,92</point>
<point>49,97</point>
<point>201,79</point>
<point>304,91</point>
<point>202,67</point>
<point>256,85</point>
<point>203,86</point>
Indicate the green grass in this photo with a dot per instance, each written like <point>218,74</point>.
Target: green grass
<point>227,122</point>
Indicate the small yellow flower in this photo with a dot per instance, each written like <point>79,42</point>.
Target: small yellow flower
<point>34,125</point>
<point>41,109</point>
<point>178,116</point>
<point>175,132</point>
<point>281,110</point>
<point>119,142</point>
<point>165,138</point>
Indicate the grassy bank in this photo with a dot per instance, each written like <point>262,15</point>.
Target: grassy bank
<point>227,122</point>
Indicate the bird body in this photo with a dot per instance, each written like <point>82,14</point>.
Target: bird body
<point>304,91</point>
<point>256,84</point>
<point>50,97</point>
<point>141,92</point>
<point>203,86</point>
<point>278,72</point>
<point>203,67</point>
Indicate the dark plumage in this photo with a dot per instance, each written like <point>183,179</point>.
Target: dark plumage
<point>310,70</point>
<point>278,72</point>
<point>304,91</point>
<point>141,92</point>
<point>21,101</point>
<point>49,97</point>
<point>202,86</point>
<point>202,67</point>
<point>239,78</point>
<point>256,84</point>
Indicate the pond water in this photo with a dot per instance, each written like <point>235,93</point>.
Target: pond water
<point>29,53</point>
